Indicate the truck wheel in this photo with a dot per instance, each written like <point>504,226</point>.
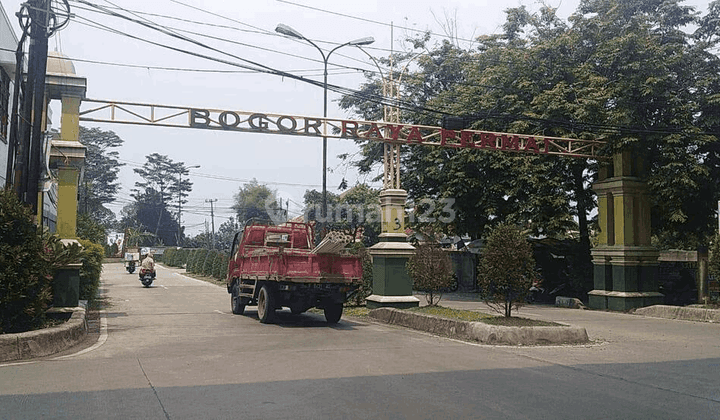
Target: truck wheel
<point>236,302</point>
<point>333,312</point>
<point>266,305</point>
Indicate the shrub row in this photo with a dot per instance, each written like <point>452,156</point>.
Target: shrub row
<point>206,262</point>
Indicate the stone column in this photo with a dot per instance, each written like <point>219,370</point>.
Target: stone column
<point>625,263</point>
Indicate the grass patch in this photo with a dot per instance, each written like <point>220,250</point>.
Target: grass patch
<point>356,311</point>
<point>457,314</point>
<point>465,315</point>
<point>514,321</point>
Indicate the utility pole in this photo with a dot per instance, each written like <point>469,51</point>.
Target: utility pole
<point>39,19</point>
<point>212,218</point>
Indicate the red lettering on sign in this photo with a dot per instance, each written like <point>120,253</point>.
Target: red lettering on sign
<point>466,139</point>
<point>510,142</point>
<point>487,140</point>
<point>394,131</point>
<point>414,135</point>
<point>374,132</point>
<point>446,135</point>
<point>349,129</point>
<point>531,144</point>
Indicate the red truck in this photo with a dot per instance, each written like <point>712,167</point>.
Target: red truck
<point>277,266</point>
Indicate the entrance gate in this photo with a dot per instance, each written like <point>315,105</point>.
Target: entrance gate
<point>625,263</point>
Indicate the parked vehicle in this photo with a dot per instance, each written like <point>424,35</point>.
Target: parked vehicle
<point>277,266</point>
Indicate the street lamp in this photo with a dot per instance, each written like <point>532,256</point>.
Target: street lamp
<point>180,200</point>
<point>286,30</point>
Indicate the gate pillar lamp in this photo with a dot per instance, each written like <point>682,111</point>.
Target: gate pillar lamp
<point>392,285</point>
<point>179,241</point>
<point>286,30</point>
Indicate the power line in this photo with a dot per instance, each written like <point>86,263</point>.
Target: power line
<point>375,22</point>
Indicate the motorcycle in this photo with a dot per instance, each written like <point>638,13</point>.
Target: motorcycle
<point>130,266</point>
<point>146,277</point>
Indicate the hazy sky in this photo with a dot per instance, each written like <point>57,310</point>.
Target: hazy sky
<point>124,69</point>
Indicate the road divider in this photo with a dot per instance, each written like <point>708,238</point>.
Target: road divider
<point>481,332</point>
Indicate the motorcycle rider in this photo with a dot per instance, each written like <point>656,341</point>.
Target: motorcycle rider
<point>148,265</point>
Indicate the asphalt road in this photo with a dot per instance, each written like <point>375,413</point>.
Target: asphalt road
<point>174,351</point>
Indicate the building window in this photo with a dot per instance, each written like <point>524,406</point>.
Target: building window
<point>4,104</point>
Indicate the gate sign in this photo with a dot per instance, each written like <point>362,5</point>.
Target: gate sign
<point>242,121</point>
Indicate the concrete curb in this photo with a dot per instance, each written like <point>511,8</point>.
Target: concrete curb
<point>481,332</point>
<point>44,342</point>
<point>680,312</point>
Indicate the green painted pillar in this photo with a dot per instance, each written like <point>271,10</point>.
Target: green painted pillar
<point>392,285</point>
<point>625,263</point>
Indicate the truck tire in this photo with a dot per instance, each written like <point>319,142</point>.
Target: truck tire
<point>333,312</point>
<point>266,305</point>
<point>236,302</point>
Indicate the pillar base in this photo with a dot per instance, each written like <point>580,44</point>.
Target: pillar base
<point>66,286</point>
<point>623,301</point>
<point>398,302</point>
<point>392,285</point>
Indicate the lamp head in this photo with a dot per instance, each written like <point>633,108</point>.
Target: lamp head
<point>362,41</point>
<point>286,30</point>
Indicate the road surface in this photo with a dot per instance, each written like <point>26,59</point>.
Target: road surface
<point>175,351</point>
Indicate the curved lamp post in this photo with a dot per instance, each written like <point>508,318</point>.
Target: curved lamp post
<point>286,30</point>
<point>180,201</point>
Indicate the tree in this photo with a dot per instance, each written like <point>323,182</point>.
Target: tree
<point>161,182</point>
<point>431,269</point>
<point>506,269</point>
<point>254,200</point>
<point>619,71</point>
<point>226,233</point>
<point>99,185</point>
<point>149,216</point>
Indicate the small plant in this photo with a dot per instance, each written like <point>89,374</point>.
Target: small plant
<point>506,269</point>
<point>431,270</point>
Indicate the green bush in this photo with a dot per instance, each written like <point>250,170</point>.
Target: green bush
<point>209,264</point>
<point>220,266</point>
<point>431,270</point>
<point>26,274</point>
<point>506,269</point>
<point>365,290</point>
<point>92,257</point>
<point>198,261</point>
